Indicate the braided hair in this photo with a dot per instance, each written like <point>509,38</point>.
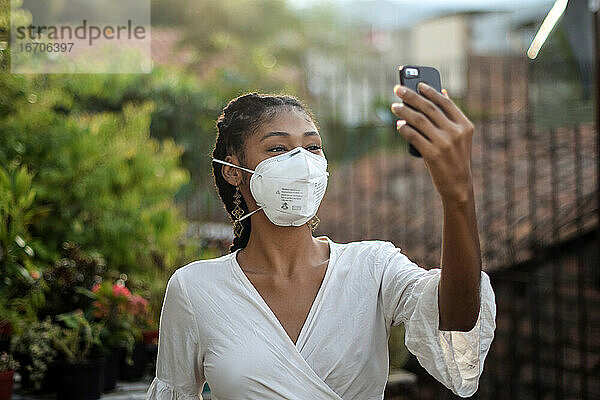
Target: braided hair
<point>239,120</point>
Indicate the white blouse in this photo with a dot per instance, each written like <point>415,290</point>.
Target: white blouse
<point>215,327</point>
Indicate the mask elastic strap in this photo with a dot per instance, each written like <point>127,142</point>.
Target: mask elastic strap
<point>233,165</point>
<point>247,215</point>
<point>245,169</point>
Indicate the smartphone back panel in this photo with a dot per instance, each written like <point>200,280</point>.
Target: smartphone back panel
<point>410,76</point>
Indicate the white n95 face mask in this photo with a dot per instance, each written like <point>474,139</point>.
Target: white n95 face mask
<point>288,187</point>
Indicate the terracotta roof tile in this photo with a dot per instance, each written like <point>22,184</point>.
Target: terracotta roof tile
<point>390,196</point>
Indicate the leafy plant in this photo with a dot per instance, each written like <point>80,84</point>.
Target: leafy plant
<point>8,315</point>
<point>79,339</point>
<point>17,213</point>
<point>109,185</point>
<point>21,290</point>
<point>22,311</point>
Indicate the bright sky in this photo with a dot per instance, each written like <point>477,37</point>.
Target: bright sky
<point>511,4</point>
<point>403,13</point>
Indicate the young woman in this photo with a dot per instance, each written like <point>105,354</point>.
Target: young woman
<point>286,315</point>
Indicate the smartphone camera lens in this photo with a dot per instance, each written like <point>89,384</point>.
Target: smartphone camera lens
<point>411,73</point>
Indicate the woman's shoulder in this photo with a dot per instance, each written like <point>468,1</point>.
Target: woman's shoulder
<point>204,268</point>
<point>371,248</point>
<point>363,259</point>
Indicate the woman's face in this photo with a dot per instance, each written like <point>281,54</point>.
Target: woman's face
<point>286,131</point>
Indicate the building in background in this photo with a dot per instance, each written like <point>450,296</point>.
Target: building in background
<point>450,38</point>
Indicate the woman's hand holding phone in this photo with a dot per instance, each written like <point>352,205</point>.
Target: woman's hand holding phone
<point>446,149</point>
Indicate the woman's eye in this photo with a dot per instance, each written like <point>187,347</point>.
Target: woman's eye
<point>281,148</point>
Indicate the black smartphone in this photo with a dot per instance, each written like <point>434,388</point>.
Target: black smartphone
<point>410,76</point>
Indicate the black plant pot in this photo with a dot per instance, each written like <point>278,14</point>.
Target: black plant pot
<point>80,381</point>
<point>111,370</point>
<point>151,354</point>
<point>136,371</point>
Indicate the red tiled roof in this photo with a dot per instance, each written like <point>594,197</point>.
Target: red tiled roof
<point>390,196</point>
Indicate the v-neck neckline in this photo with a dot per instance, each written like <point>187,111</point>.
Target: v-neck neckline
<point>300,340</point>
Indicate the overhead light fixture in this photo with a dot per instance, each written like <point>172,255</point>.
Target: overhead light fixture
<point>542,34</point>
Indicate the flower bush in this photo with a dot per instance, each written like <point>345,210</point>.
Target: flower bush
<point>123,315</point>
<point>138,307</point>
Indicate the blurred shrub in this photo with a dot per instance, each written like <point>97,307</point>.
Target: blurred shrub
<point>17,213</point>
<point>109,185</point>
<point>79,339</point>
<point>21,289</point>
<point>122,314</point>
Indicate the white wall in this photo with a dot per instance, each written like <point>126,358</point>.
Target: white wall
<point>444,43</point>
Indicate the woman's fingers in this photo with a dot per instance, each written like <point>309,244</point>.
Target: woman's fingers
<point>411,135</point>
<point>443,101</point>
<point>421,103</point>
<point>417,120</point>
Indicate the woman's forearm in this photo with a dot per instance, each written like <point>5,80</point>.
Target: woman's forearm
<point>458,293</point>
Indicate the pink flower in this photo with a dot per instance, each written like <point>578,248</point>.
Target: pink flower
<point>119,290</point>
<point>96,287</point>
<point>138,305</point>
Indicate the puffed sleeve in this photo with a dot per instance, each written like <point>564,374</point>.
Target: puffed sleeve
<point>179,368</point>
<point>409,295</point>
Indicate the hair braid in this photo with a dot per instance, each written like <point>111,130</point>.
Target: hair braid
<point>239,120</point>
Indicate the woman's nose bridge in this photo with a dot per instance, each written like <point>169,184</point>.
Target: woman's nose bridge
<point>298,141</point>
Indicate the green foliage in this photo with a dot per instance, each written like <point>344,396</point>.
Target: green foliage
<point>17,213</point>
<point>87,140</point>
<point>20,291</point>
<point>21,311</point>
<point>79,338</point>
<point>8,315</point>
<point>109,185</point>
